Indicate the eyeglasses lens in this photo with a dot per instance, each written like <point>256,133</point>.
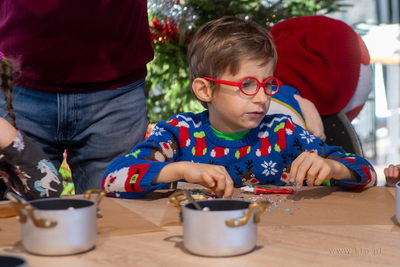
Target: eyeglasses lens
<point>249,86</point>
<point>272,86</point>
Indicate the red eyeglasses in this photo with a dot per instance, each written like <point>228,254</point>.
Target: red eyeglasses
<point>250,85</point>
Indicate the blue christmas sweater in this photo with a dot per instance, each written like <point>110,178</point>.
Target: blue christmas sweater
<point>263,156</point>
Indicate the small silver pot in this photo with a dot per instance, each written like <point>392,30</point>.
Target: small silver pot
<point>59,226</point>
<point>227,229</point>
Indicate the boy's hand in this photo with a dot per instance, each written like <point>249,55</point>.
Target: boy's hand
<point>211,176</point>
<point>311,167</point>
<point>315,169</point>
<point>392,175</point>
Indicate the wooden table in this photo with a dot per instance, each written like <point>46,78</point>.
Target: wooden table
<point>279,245</point>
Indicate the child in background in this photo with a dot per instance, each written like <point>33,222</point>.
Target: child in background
<point>24,168</point>
<point>233,142</point>
<point>392,175</point>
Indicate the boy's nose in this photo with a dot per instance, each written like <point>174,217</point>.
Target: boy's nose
<point>261,96</point>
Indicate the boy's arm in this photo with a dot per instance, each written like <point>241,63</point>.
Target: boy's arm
<point>342,168</point>
<point>315,170</point>
<point>132,175</point>
<point>341,172</point>
<point>138,173</point>
<point>157,162</point>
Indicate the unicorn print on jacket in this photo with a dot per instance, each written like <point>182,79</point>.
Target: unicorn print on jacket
<point>43,185</point>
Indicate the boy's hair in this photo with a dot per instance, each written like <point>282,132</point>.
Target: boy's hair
<point>6,77</point>
<point>222,44</point>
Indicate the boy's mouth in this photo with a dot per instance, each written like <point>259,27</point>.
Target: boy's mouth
<point>256,115</point>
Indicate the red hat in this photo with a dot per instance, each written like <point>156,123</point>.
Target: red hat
<point>320,57</point>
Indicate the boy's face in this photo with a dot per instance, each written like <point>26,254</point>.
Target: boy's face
<point>232,111</point>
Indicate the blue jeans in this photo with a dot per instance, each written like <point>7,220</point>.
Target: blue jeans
<point>94,127</point>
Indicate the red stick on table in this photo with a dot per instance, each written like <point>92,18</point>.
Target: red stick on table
<point>260,190</point>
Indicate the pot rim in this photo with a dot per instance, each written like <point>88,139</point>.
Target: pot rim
<point>56,201</point>
<point>203,204</point>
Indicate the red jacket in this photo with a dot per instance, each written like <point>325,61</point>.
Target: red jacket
<point>76,45</point>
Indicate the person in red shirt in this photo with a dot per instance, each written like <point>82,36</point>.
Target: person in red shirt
<point>81,82</point>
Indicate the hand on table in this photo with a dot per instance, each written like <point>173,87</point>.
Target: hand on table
<point>211,176</point>
<point>312,168</point>
<point>315,169</point>
<point>392,175</point>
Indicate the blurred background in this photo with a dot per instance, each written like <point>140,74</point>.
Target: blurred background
<point>174,22</point>
<point>377,125</point>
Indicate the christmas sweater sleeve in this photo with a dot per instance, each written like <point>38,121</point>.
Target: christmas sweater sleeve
<point>131,176</point>
<point>301,140</point>
<point>26,170</point>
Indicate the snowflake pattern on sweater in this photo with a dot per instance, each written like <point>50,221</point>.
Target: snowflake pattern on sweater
<point>263,156</point>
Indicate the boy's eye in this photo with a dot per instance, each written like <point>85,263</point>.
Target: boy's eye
<point>249,84</point>
<point>245,84</point>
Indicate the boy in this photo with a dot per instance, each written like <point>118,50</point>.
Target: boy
<point>233,142</point>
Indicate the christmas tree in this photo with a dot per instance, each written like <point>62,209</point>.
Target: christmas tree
<point>174,22</point>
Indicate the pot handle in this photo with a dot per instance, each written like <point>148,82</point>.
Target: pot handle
<point>101,193</point>
<point>20,205</point>
<point>262,206</point>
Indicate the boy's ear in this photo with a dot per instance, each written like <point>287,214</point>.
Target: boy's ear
<point>202,89</point>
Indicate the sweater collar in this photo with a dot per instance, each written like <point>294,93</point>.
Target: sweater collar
<point>251,137</point>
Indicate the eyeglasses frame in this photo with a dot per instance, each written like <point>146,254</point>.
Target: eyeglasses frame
<point>239,84</point>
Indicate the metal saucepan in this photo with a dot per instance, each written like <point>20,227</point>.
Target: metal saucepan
<point>227,227</point>
<point>59,226</point>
